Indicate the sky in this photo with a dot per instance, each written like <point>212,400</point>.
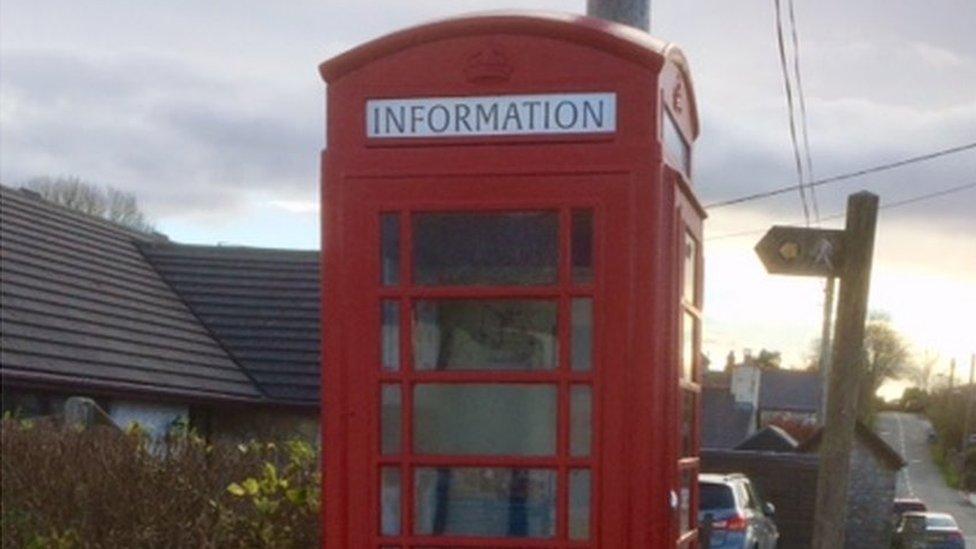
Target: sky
<point>212,113</point>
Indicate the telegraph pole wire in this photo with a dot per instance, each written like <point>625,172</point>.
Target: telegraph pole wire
<point>803,112</point>
<point>844,176</point>
<point>788,88</point>
<point>884,206</point>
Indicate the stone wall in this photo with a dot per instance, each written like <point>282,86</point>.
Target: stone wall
<point>871,490</point>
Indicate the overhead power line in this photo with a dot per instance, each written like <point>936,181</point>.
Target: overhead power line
<point>914,199</point>
<point>788,88</point>
<point>884,206</point>
<point>843,176</point>
<point>803,112</point>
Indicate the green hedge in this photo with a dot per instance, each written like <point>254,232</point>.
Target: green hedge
<point>102,488</point>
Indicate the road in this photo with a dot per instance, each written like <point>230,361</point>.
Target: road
<point>906,433</point>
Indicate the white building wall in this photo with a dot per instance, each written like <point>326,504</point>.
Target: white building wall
<point>154,418</point>
<point>745,384</point>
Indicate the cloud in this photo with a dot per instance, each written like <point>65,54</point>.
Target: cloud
<point>296,206</point>
<point>185,141</point>
<point>939,58</point>
<point>212,114</point>
<point>734,159</point>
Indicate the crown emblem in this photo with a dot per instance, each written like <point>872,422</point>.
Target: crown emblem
<point>677,96</point>
<point>488,66</point>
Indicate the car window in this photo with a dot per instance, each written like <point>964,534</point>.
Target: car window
<point>715,496</point>
<point>940,521</point>
<point>754,500</point>
<point>745,495</point>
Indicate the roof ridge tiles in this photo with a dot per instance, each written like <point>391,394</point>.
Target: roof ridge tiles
<point>27,196</point>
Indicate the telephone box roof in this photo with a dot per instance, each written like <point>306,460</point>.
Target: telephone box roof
<point>614,38</point>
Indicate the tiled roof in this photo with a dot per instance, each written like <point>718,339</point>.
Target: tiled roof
<point>82,308</point>
<point>769,439</point>
<point>262,305</point>
<point>790,391</point>
<point>724,422</point>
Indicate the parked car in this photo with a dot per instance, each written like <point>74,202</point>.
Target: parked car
<point>928,531</point>
<point>731,510</point>
<point>905,505</point>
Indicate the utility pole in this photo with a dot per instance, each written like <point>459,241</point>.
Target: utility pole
<point>828,314</point>
<point>952,375</point>
<point>966,422</point>
<point>847,255</point>
<point>846,371</point>
<point>636,13</point>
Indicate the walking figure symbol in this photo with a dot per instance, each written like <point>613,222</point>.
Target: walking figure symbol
<point>823,253</point>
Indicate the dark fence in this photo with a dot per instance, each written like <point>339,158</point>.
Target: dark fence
<point>788,481</point>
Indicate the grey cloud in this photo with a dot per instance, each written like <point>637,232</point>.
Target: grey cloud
<point>846,135</point>
<point>234,106</point>
<point>183,140</point>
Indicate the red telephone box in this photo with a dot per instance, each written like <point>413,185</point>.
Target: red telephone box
<point>512,288</point>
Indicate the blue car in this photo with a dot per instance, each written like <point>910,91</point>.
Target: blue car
<point>732,515</point>
<point>928,531</point>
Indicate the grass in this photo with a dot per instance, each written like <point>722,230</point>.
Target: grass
<point>943,460</point>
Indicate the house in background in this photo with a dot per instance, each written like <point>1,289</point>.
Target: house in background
<point>753,425</point>
<point>262,307</point>
<point>789,397</point>
<point>225,339</point>
<point>725,422</point>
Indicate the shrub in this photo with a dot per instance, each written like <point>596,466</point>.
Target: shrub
<point>103,488</point>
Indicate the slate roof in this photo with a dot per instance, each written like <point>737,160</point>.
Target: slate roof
<point>769,439</point>
<point>724,422</point>
<point>790,391</point>
<point>262,305</point>
<point>81,308</point>
<point>867,436</point>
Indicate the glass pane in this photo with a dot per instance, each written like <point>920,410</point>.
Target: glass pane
<point>688,423</point>
<point>390,340</point>
<point>485,501</point>
<point>684,500</point>
<point>484,419</point>
<point>688,344</point>
<point>581,337</point>
<point>390,501</point>
<point>582,246</point>
<point>689,286</point>
<point>579,504</point>
<point>390,249</point>
<point>485,334</point>
<point>511,248</point>
<point>580,420</point>
<point>675,146</point>
<point>390,419</point>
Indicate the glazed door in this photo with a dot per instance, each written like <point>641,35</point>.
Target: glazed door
<point>482,346</point>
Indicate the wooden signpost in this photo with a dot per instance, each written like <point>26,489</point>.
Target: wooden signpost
<point>802,251</point>
<point>847,255</point>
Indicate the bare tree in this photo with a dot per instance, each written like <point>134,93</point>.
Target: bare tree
<point>887,356</point>
<point>923,370</point>
<point>105,202</point>
<point>769,360</point>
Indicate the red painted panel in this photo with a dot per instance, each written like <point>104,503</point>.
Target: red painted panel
<point>639,213</point>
